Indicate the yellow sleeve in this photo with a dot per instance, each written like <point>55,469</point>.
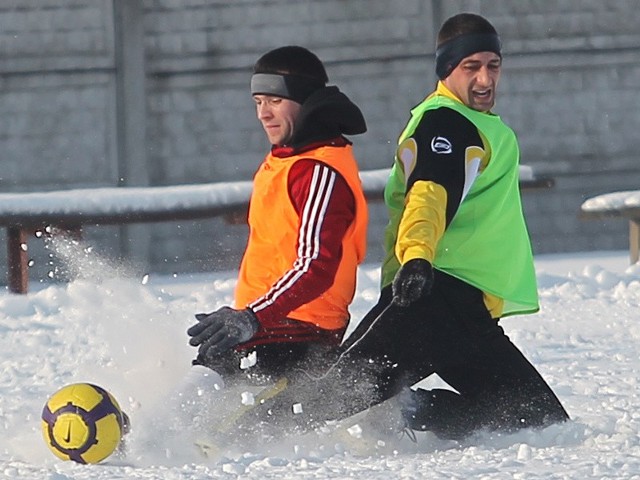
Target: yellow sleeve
<point>423,222</point>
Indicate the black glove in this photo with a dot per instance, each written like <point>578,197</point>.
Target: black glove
<point>413,281</point>
<point>218,332</point>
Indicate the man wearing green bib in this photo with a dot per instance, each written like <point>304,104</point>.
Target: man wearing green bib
<point>458,259</point>
<point>458,255</point>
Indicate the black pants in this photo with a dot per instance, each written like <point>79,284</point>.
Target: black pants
<point>450,333</point>
<point>273,361</point>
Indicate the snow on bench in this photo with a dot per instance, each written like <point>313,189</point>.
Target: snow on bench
<point>619,205</point>
<point>68,211</point>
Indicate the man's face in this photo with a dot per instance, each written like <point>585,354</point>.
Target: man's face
<point>277,116</point>
<point>475,79</point>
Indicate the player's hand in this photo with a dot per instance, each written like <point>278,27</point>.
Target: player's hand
<point>218,332</point>
<point>412,282</point>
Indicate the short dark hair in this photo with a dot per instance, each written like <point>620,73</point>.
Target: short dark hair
<point>292,60</point>
<point>464,24</point>
<point>463,35</point>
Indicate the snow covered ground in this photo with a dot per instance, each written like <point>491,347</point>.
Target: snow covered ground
<point>126,332</point>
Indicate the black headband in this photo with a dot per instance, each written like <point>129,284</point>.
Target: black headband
<point>451,52</point>
<point>293,87</point>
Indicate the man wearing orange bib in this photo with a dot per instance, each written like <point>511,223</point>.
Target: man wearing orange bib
<point>307,227</point>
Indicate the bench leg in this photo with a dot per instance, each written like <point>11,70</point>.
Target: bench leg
<point>634,241</point>
<point>18,274</point>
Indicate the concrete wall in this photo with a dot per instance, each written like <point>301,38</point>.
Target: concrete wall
<point>68,114</point>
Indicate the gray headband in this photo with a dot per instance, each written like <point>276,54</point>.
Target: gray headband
<point>451,52</point>
<point>293,87</point>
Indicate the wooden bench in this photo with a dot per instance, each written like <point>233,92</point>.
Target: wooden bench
<point>67,211</point>
<point>23,214</point>
<point>617,205</point>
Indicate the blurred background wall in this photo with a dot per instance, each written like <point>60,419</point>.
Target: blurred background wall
<point>155,92</point>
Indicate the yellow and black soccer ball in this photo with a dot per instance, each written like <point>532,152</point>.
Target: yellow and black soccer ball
<point>83,423</point>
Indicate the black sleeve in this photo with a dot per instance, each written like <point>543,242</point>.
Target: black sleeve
<point>443,138</point>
